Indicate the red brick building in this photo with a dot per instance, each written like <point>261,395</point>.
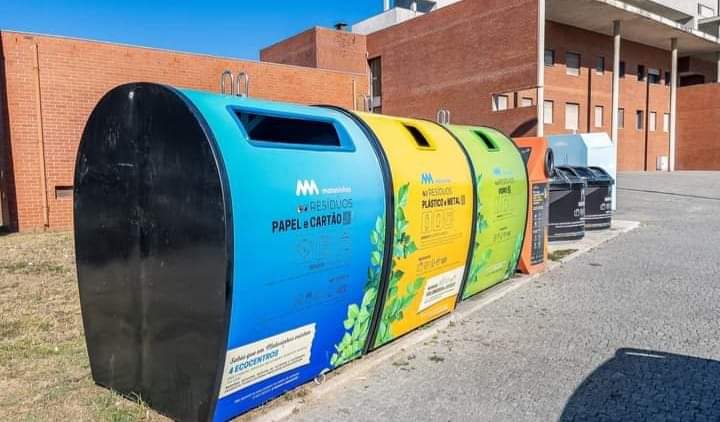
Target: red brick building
<point>574,65</point>
<point>49,86</point>
<point>489,61</point>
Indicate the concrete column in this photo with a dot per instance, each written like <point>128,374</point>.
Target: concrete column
<point>615,84</point>
<point>541,68</point>
<point>673,102</point>
<point>717,60</point>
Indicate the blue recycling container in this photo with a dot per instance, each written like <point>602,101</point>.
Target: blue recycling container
<point>228,249</point>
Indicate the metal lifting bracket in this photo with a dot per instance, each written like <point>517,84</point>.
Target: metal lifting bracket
<point>234,86</point>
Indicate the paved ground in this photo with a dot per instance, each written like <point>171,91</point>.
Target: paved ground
<point>627,332</point>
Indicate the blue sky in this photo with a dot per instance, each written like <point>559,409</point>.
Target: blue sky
<point>238,28</point>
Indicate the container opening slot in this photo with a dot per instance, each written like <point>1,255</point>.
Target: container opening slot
<point>287,130</point>
<point>420,139</point>
<point>489,144</point>
<point>525,152</point>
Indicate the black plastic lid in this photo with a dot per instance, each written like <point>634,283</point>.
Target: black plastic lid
<point>602,175</point>
<point>593,176</point>
<point>565,177</point>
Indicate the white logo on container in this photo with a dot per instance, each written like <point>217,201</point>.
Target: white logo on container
<point>306,187</point>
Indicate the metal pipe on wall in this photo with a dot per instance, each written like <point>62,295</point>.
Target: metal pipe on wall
<point>616,83</point>
<point>541,68</point>
<point>673,102</point>
<point>41,137</point>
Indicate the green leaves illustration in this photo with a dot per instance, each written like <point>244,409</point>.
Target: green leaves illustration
<point>478,263</point>
<point>403,246</point>
<point>357,322</point>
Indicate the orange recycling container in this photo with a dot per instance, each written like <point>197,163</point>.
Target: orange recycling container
<point>538,157</point>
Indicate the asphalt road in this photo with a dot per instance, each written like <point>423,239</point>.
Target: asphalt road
<point>629,331</point>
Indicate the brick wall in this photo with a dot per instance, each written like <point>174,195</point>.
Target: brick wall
<point>74,74</point>
<point>322,48</point>
<point>591,89</point>
<point>458,57</point>
<point>298,50</point>
<point>698,140</point>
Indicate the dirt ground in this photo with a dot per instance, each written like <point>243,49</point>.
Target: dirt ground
<point>44,368</point>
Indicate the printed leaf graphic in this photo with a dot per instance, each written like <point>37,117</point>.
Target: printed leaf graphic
<point>368,298</point>
<point>363,316</point>
<point>403,194</point>
<point>374,238</point>
<point>353,311</point>
<point>410,248</point>
<point>380,225</point>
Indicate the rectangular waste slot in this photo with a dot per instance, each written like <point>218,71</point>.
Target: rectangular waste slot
<point>433,204</point>
<point>228,249</point>
<point>539,160</point>
<point>567,205</point>
<point>501,185</point>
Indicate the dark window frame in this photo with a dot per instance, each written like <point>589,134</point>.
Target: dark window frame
<point>376,76</point>
<point>579,63</point>
<point>641,72</point>
<point>552,57</point>
<point>639,119</point>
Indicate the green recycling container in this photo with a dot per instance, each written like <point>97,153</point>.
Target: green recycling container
<point>501,184</point>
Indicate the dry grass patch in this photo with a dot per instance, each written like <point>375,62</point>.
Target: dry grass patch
<point>43,360</point>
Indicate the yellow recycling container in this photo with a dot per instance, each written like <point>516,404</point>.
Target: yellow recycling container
<point>433,202</point>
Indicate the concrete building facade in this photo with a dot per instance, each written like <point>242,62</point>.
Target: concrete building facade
<point>574,65</point>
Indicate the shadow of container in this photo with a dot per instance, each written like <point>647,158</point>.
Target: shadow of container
<point>648,385</point>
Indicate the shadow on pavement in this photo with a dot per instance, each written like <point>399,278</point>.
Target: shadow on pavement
<point>648,385</point>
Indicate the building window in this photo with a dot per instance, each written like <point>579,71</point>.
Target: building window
<point>621,118</point>
<point>500,102</point>
<point>548,110</point>
<point>549,57</point>
<point>600,65</point>
<point>572,64</point>
<point>666,122</point>
<point>599,116</point>
<point>376,84</point>
<point>639,120</point>
<point>572,116</point>
<point>652,121</point>
<point>641,73</point>
<point>526,102</point>
<point>705,11</point>
<point>622,69</point>
<point>653,76</point>
<point>668,78</point>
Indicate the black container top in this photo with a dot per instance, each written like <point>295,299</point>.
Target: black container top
<point>566,178</point>
<point>602,176</point>
<point>595,176</point>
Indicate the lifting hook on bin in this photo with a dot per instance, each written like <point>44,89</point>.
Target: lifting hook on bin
<point>234,83</point>
<point>223,77</point>
<point>246,79</point>
<point>443,116</point>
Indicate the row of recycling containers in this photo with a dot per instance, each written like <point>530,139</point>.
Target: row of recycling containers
<point>231,249</point>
